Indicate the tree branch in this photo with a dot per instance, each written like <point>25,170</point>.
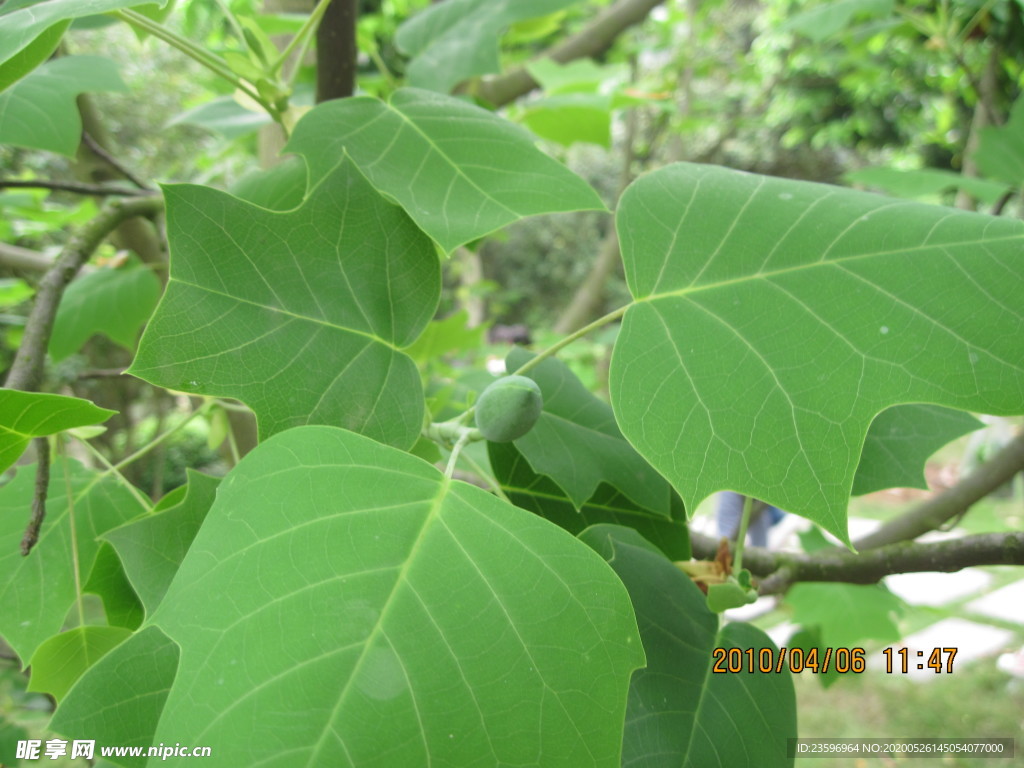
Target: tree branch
<point>23,259</point>
<point>779,569</point>
<point>97,149</point>
<point>592,40</point>
<point>931,514</point>
<point>73,186</point>
<point>27,370</point>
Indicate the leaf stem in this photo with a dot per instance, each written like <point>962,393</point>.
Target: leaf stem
<point>161,438</point>
<point>75,563</point>
<point>741,537</point>
<point>139,497</point>
<point>491,481</point>
<point>456,450</point>
<point>194,52</point>
<point>300,36</point>
<point>614,315</point>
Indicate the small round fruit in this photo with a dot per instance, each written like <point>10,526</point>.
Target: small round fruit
<point>508,408</point>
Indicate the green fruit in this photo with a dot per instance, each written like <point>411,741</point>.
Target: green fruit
<point>508,408</point>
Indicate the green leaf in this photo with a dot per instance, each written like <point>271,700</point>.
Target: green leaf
<point>829,18</point>
<point>228,118</point>
<point>773,319</point>
<point>459,171</point>
<point>39,111</point>
<point>579,76</point>
<point>19,28</point>
<point>120,698</point>
<point>1000,152</point>
<point>526,489</point>
<point>300,314</point>
<point>25,415</point>
<point>278,188</point>
<point>445,336</point>
<point>113,302</point>
<point>37,591</point>
<point>570,118</point>
<point>406,618</point>
<point>109,582</point>
<point>60,661</point>
<point>31,56</point>
<point>899,442</point>
<point>455,40</point>
<point>153,546</point>
<point>577,443</point>
<point>679,712</point>
<point>722,597</point>
<point>847,614</point>
<point>925,182</point>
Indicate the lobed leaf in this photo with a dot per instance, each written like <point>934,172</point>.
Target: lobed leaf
<point>899,442</point>
<point>459,171</point>
<point>153,546</point>
<point>20,27</point>
<point>40,110</point>
<point>542,496</point>
<point>578,445</point>
<point>300,314</point>
<point>113,302</point>
<point>773,319</point>
<point>345,604</point>
<point>59,662</point>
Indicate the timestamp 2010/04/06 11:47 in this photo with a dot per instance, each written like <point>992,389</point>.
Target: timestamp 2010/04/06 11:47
<point>823,660</point>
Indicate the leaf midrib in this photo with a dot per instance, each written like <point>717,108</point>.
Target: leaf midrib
<point>695,289</point>
<point>289,313</point>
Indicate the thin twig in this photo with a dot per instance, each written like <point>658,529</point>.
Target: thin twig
<point>97,190</point>
<point>27,370</point>
<point>97,149</point>
<point>39,496</point>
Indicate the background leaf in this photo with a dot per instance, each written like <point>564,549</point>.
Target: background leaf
<point>925,182</point>
<point>679,712</point>
<point>24,415</point>
<point>452,41</point>
<point>899,442</point>
<point>114,302</point>
<point>1000,152</point>
<point>109,582</point>
<point>153,546</point>
<point>299,314</point>
<point>37,591</point>
<point>577,443</point>
<point>459,171</point>
<point>408,619</point>
<point>39,111</point>
<point>542,496</point>
<point>19,28</point>
<point>32,55</point>
<point>846,614</point>
<point>119,699</point>
<point>774,319</point>
<point>60,661</point>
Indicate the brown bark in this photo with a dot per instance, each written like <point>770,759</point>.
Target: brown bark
<point>336,51</point>
<point>594,39</point>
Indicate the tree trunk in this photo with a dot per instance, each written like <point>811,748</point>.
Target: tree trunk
<point>336,51</point>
